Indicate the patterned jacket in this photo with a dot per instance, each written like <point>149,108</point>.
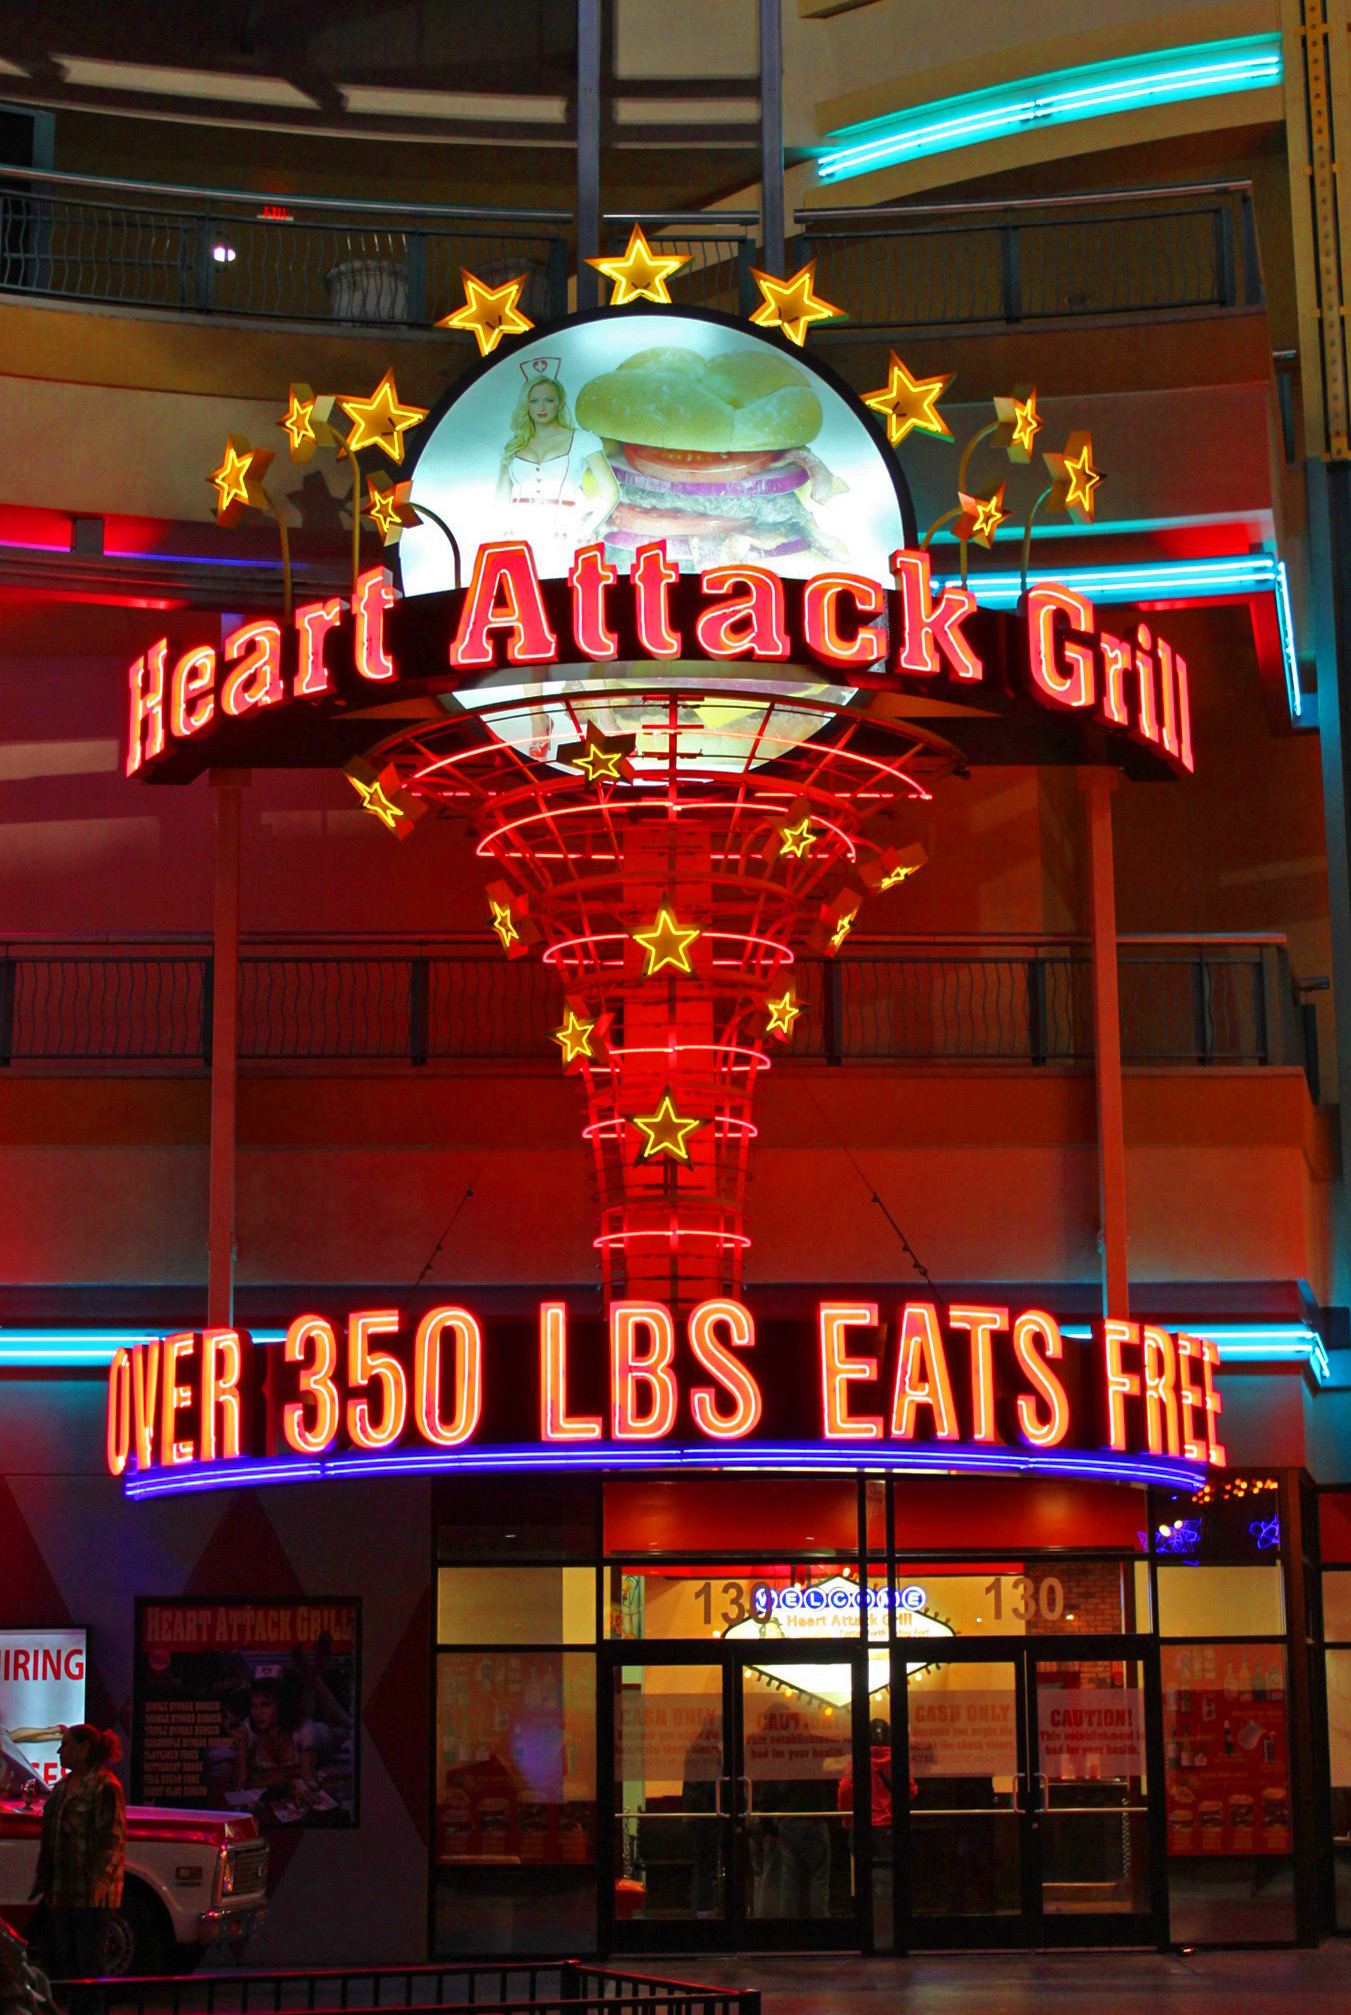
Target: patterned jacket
<point>84,1843</point>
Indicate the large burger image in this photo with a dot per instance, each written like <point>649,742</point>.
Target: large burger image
<point>711,455</point>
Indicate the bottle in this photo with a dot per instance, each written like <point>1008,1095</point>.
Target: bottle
<point>1184,1665</point>
<point>1230,1683</point>
<point>1185,1760</point>
<point>1211,1669</point>
<point>1228,1738</point>
<point>1245,1681</point>
<point>1184,1700</point>
<point>1066,1767</point>
<point>1275,1683</point>
<point>1173,1753</point>
<point>1259,1684</point>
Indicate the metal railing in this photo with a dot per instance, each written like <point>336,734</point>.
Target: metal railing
<point>363,1001</point>
<point>503,1987</point>
<point>176,248</point>
<point>202,251</point>
<point>1143,251</point>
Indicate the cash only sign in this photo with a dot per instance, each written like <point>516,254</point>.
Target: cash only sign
<point>964,1387</point>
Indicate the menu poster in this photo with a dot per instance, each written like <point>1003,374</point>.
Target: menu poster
<point>516,1764</point>
<point>1226,1756</point>
<point>251,1706</point>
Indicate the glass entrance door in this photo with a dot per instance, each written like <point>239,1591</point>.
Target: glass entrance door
<point>1028,1809</point>
<point>732,1822</point>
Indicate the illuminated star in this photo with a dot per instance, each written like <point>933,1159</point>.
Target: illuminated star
<point>797,839</point>
<point>910,403</point>
<point>1074,478</point>
<point>980,517</point>
<point>895,876</point>
<point>574,1038</point>
<point>783,1012</point>
<point>666,1131</point>
<point>381,421</point>
<point>666,943</point>
<point>641,274</point>
<point>791,305</point>
<point>489,313</point>
<point>601,759</point>
<point>389,509</point>
<point>373,800</point>
<point>842,929</point>
<point>298,421</point>
<point>1019,422</point>
<point>504,924</point>
<point>238,480</point>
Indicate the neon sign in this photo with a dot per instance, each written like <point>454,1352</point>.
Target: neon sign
<point>202,705</point>
<point>379,1391</point>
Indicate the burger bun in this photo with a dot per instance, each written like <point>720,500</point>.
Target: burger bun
<point>670,397</point>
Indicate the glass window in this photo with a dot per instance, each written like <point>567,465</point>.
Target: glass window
<point>1231,1521</point>
<point>516,1605</point>
<point>516,1757</point>
<point>1334,1524</point>
<point>734,1602</point>
<point>491,1518</point>
<point>1220,1602</point>
<point>1339,1778</point>
<point>1062,1598</point>
<point>692,1514</point>
<point>1226,1754</point>
<point>1337,1608</point>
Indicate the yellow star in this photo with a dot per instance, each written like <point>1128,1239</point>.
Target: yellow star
<point>980,517</point>
<point>797,839</point>
<point>1074,478</point>
<point>298,421</point>
<point>910,403</point>
<point>666,1131</point>
<point>842,929</point>
<point>389,509</point>
<point>504,923</point>
<point>380,421</point>
<point>791,305</point>
<point>574,1038</point>
<point>783,1013</point>
<point>666,943</point>
<point>601,765</point>
<point>238,479</point>
<point>489,313</point>
<point>641,274</point>
<point>1019,422</point>
<point>898,875</point>
<point>374,800</point>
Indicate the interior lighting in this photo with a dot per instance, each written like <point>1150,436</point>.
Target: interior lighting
<point>1058,97</point>
<point>1248,1342</point>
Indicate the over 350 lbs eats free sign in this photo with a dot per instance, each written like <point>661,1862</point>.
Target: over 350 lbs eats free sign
<point>961,1387</point>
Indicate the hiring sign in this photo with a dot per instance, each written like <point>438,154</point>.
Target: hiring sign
<point>41,1691</point>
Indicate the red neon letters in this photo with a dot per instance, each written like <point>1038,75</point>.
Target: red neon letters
<point>378,1384</point>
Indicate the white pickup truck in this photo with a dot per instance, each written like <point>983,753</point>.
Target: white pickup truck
<point>192,1878</point>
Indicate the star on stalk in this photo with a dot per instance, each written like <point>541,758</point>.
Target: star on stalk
<point>666,1131</point>
<point>388,508</point>
<point>980,517</point>
<point>373,800</point>
<point>798,839</point>
<point>640,274</point>
<point>1074,478</point>
<point>910,404</point>
<point>504,923</point>
<point>489,313</point>
<point>601,759</point>
<point>791,305</point>
<point>381,421</point>
<point>306,422</point>
<point>1019,422</point>
<point>239,479</point>
<point>383,796</point>
<point>842,929</point>
<point>889,868</point>
<point>666,943</point>
<point>783,1012</point>
<point>574,1038</point>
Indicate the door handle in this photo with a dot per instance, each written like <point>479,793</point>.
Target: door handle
<point>718,1805</point>
<point>1019,1777</point>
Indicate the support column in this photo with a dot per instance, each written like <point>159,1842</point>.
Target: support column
<point>1329,489</point>
<point>588,152</point>
<point>1097,786</point>
<point>228,786</point>
<point>771,136</point>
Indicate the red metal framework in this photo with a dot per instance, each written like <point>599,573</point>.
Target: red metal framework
<point>727,824</point>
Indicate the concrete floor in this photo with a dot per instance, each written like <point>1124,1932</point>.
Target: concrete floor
<point>1135,1983</point>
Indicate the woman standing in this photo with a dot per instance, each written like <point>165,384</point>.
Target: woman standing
<point>80,1861</point>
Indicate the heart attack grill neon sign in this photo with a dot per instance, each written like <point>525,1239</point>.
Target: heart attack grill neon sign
<point>968,1386</point>
<point>203,705</point>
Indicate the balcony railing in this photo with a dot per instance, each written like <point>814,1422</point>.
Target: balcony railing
<point>975,1002</point>
<point>180,249</point>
